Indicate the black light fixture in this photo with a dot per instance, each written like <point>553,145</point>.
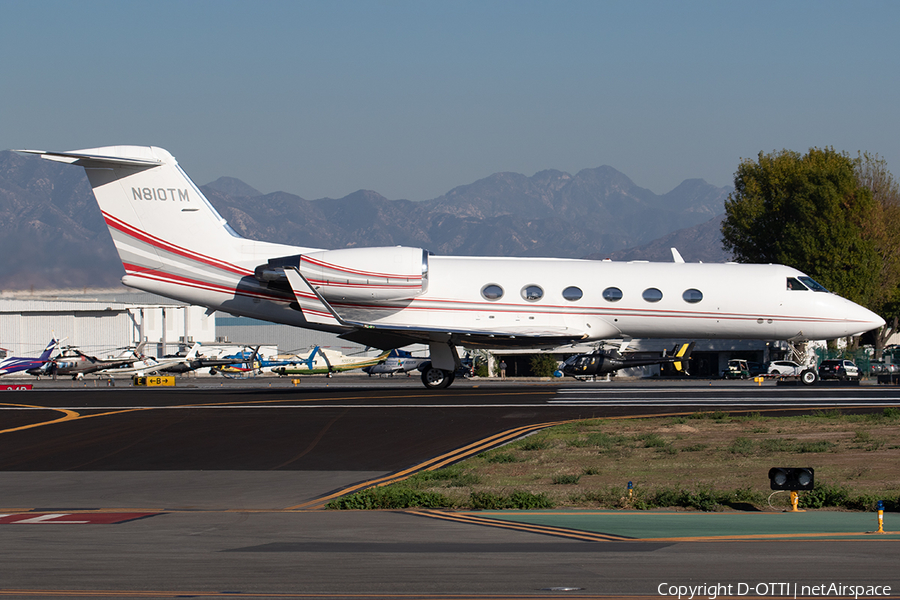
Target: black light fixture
<point>791,478</point>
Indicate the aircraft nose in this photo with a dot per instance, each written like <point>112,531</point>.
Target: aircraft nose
<point>865,319</point>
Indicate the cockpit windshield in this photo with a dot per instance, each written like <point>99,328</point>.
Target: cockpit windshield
<point>794,285</point>
<point>813,284</point>
<point>805,283</point>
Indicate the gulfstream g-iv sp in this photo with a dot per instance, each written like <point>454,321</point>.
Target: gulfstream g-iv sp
<point>172,242</point>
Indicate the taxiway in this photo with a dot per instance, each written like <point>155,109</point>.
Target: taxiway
<point>226,479</point>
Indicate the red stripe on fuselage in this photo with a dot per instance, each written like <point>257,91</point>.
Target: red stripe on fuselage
<point>202,285</point>
<point>340,269</point>
<point>161,244</point>
<point>366,286</point>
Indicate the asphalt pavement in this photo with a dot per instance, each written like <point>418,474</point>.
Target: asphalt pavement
<point>196,492</point>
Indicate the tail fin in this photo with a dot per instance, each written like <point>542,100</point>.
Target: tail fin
<point>157,216</point>
<point>192,354</point>
<point>45,355</point>
<point>683,353</point>
<point>312,357</point>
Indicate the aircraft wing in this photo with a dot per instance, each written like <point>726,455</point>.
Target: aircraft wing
<point>317,310</point>
<point>381,336</point>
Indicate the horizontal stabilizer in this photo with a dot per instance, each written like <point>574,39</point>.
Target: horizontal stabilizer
<point>94,160</point>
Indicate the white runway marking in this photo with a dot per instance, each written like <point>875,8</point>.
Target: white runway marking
<point>715,397</point>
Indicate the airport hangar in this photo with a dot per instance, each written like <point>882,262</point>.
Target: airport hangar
<point>104,322</point>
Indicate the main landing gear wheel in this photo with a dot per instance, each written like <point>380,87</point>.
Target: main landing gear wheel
<point>436,379</point>
<point>808,377</point>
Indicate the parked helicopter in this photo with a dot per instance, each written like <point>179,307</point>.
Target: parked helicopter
<point>599,362</point>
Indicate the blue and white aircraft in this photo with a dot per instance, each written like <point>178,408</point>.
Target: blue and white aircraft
<point>14,364</point>
<point>398,361</point>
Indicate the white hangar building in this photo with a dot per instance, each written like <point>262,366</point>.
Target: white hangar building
<point>101,322</point>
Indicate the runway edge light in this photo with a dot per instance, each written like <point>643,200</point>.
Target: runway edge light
<point>880,516</point>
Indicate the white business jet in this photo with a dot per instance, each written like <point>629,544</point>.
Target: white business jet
<point>172,242</point>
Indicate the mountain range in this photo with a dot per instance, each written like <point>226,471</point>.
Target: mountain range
<point>53,236</point>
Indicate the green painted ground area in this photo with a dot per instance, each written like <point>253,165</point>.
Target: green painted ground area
<point>812,525</point>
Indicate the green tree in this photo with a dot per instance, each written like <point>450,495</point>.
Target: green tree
<point>809,212</point>
<point>543,365</point>
<point>873,173</point>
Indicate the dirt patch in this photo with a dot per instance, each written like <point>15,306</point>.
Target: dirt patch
<point>590,463</point>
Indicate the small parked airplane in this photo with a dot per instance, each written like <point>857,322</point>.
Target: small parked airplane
<point>398,361</point>
<point>16,364</point>
<point>323,360</point>
<point>600,362</point>
<point>150,365</point>
<point>172,242</point>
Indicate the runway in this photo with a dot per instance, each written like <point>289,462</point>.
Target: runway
<point>221,477</point>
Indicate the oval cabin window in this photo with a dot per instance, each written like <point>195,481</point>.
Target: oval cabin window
<point>652,295</point>
<point>532,293</point>
<point>692,296</point>
<point>612,294</point>
<point>492,291</point>
<point>572,293</point>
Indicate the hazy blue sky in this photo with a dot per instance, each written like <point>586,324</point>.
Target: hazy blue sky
<point>413,98</point>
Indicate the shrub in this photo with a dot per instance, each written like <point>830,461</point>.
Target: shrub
<point>741,445</point>
<point>487,501</point>
<point>652,440</point>
<point>776,445</point>
<point>819,446</point>
<point>543,365</point>
<point>517,500</point>
<point>741,498</point>
<point>702,499</point>
<point>501,457</point>
<point>529,501</point>
<point>605,441</point>
<point>390,497</point>
<point>824,495</point>
<point>535,443</point>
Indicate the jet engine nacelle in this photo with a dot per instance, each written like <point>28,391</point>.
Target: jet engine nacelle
<point>358,274</point>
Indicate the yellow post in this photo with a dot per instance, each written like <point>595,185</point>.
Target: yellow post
<point>880,517</point>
